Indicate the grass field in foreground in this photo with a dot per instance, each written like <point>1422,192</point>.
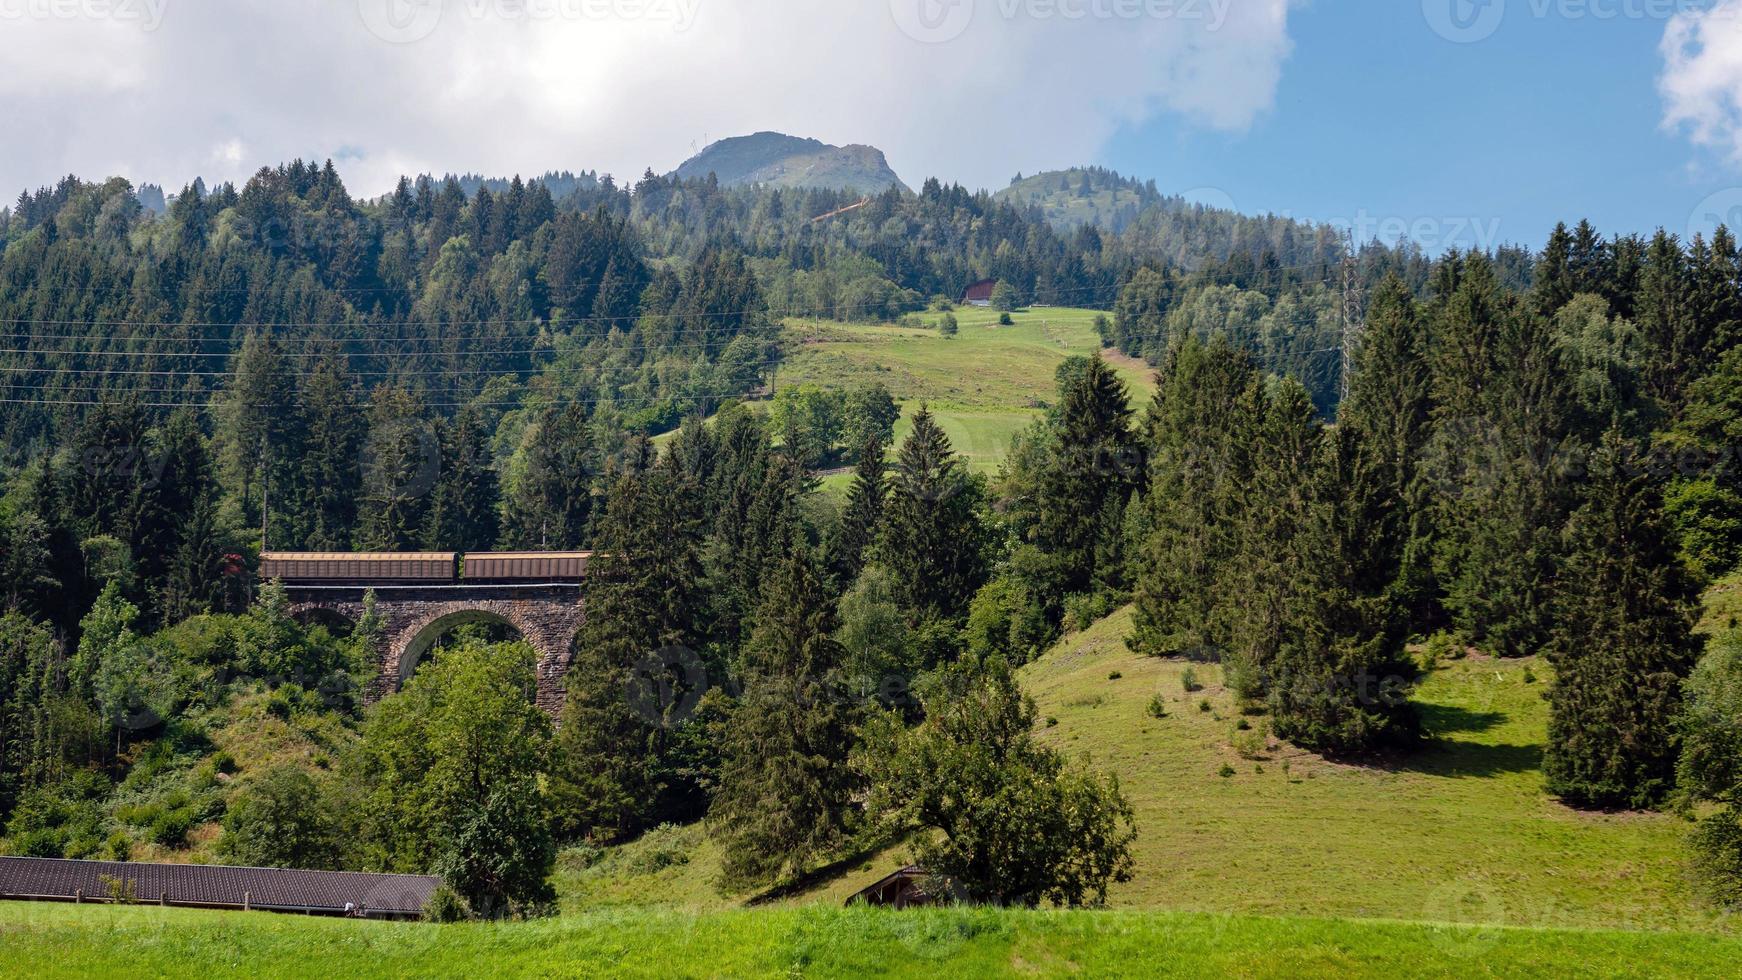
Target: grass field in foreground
<point>984,384</point>
<point>47,941</point>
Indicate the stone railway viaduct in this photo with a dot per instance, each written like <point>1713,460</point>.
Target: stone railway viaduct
<point>546,616</point>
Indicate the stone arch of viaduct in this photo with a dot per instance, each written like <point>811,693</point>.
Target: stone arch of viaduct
<point>547,619</point>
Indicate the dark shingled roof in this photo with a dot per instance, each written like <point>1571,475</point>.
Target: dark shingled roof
<point>273,889</point>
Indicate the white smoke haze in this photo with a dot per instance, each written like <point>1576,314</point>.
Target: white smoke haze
<point>970,90</point>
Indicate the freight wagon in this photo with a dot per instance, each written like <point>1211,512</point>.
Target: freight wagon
<point>344,568</point>
<point>525,566</point>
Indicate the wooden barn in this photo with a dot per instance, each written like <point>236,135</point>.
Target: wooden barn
<point>909,887</point>
<point>979,294</point>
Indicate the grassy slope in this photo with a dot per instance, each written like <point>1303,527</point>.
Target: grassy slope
<point>78,941</point>
<point>1460,832</point>
<point>984,384</point>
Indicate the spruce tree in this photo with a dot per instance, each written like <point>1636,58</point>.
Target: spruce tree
<point>933,541</point>
<point>1341,678</point>
<point>553,498</point>
<point>463,515</point>
<point>637,658</point>
<point>1676,336</point>
<point>1500,454</point>
<point>260,425</point>
<point>1389,413</point>
<point>1623,642</point>
<point>401,462</point>
<point>861,516</point>
<point>786,790</point>
<point>1258,587</point>
<point>1198,440</point>
<point>1085,483</point>
<point>331,470</point>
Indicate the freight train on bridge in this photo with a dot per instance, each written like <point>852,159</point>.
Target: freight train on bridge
<point>423,568</point>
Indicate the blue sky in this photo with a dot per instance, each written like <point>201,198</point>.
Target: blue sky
<point>1548,119</point>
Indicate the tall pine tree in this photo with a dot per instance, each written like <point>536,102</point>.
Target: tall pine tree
<point>1623,642</point>
<point>786,791</point>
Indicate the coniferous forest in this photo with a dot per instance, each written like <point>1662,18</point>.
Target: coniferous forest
<point>1357,460</point>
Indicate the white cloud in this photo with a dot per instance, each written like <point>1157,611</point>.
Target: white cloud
<point>505,86</point>
<point>1701,81</point>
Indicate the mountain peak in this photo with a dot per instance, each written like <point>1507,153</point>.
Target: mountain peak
<point>779,160</point>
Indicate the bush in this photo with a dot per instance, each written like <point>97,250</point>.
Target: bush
<point>446,906</point>
<point>1085,610</point>
<point>1204,705</point>
<point>1718,856</point>
<point>1226,772</point>
<point>1188,679</point>
<point>1115,675</point>
<point>1440,648</point>
<point>1004,320</point>
<point>1005,816</point>
<point>119,847</point>
<point>1251,743</point>
<point>1157,707</point>
<point>280,820</point>
<point>947,326</point>
<point>662,847</point>
<point>171,827</point>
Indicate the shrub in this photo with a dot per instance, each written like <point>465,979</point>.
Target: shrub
<point>1204,705</point>
<point>660,848</point>
<point>947,325</point>
<point>1718,856</point>
<point>446,906</point>
<point>1086,609</point>
<point>171,827</point>
<point>1442,647</point>
<point>1004,320</point>
<point>280,820</point>
<point>1226,772</point>
<point>1157,707</point>
<point>1115,675</point>
<point>1250,742</point>
<point>1188,679</point>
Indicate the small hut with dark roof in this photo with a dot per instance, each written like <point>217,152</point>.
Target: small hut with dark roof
<point>907,887</point>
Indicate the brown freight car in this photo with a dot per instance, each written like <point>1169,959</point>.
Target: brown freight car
<point>525,566</point>
<point>348,568</point>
